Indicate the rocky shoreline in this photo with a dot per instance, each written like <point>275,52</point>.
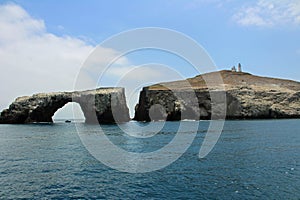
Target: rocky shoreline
<point>97,105</point>
<point>240,96</point>
<point>247,97</point>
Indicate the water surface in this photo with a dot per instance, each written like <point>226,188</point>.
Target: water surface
<point>252,160</point>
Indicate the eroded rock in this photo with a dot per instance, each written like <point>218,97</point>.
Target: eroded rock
<point>103,105</point>
<point>246,97</point>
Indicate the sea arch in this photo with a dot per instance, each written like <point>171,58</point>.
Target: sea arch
<point>69,112</point>
<point>97,105</point>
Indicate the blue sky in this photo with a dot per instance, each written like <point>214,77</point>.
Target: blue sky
<point>263,35</point>
<point>265,49</point>
<point>262,49</point>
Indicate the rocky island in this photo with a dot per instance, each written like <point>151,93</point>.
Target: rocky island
<point>247,97</point>
<point>240,95</point>
<point>97,105</point>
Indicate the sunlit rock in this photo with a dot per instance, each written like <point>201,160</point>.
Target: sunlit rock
<point>103,105</point>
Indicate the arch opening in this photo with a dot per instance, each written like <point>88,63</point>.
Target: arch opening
<point>70,112</point>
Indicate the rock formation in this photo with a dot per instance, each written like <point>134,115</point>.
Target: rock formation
<point>247,97</point>
<point>103,105</point>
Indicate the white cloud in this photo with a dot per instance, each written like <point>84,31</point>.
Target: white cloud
<point>33,60</point>
<point>269,13</point>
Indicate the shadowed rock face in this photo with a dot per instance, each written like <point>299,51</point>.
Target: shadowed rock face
<point>246,97</point>
<point>103,105</point>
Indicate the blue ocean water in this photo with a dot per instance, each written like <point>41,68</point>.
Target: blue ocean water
<point>252,160</point>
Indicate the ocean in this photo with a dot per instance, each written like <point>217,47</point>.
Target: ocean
<point>257,159</point>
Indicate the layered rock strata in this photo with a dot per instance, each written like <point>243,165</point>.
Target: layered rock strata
<point>241,95</point>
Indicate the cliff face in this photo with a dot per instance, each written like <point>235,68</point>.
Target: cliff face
<point>97,105</point>
<point>241,95</point>
<point>247,97</point>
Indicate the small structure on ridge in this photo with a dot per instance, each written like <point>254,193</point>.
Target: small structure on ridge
<point>239,67</point>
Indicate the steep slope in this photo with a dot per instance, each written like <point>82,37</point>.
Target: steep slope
<point>243,95</point>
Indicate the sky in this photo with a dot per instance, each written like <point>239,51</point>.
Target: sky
<point>43,44</point>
